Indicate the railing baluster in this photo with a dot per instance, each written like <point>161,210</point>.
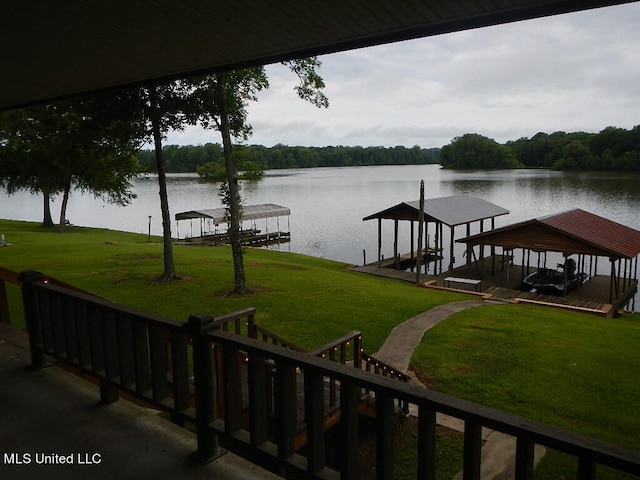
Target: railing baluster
<point>285,409</point>
<point>44,301</point>
<point>258,399</point>
<point>70,329</point>
<point>110,342</point>
<point>586,468</point>
<point>141,356</point>
<point>525,457</point>
<point>426,442</point>
<point>95,340</point>
<point>314,415</point>
<point>33,316</point>
<point>472,450</point>
<point>5,316</point>
<point>159,364</point>
<point>203,373</point>
<point>57,325</point>
<point>109,390</point>
<point>232,390</point>
<point>125,351</point>
<point>84,335</point>
<point>385,419</point>
<point>180,372</point>
<point>348,440</point>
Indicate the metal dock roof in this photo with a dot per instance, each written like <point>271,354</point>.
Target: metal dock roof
<point>452,211</point>
<point>249,212</point>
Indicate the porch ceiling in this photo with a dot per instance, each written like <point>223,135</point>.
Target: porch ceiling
<point>51,49</point>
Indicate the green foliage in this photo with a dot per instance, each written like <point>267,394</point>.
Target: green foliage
<point>212,172</point>
<point>251,170</point>
<point>476,151</point>
<point>614,149</point>
<point>188,158</point>
<point>87,144</point>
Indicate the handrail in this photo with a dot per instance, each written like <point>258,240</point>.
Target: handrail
<point>139,353</point>
<point>372,364</point>
<point>269,337</point>
<point>8,275</point>
<point>528,433</point>
<point>146,356</point>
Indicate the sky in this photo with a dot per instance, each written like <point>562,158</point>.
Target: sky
<point>574,72</point>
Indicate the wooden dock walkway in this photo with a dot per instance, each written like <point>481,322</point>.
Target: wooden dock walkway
<point>502,284</point>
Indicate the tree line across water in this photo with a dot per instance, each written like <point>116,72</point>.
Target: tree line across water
<point>613,148</point>
<point>189,158</point>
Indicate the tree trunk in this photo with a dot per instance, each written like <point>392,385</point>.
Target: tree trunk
<point>240,285</point>
<point>63,207</point>
<point>47,221</point>
<point>169,268</point>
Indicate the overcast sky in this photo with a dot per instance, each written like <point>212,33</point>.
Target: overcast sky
<point>576,72</point>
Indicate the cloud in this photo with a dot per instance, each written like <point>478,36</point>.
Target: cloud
<point>571,72</point>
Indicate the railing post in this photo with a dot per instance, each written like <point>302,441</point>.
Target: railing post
<point>208,448</point>
<point>32,316</point>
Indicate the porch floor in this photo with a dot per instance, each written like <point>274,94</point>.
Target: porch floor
<point>49,411</point>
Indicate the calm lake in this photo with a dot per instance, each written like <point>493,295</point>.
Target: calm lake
<point>328,204</point>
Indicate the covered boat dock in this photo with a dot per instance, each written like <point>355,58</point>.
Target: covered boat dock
<point>574,233</point>
<point>208,222</point>
<point>454,211</point>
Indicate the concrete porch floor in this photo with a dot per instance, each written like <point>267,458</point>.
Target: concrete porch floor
<point>49,412</point>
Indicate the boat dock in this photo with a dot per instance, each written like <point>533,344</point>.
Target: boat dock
<point>502,284</point>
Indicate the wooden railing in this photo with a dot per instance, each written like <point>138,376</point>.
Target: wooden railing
<point>146,356</point>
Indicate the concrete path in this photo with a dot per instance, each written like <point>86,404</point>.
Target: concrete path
<point>398,348</point>
<point>498,452</point>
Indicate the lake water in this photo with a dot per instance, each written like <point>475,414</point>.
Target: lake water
<point>328,204</point>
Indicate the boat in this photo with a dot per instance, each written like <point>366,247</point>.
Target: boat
<point>554,281</point>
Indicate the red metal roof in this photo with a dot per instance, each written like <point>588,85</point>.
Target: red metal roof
<point>573,231</point>
<point>596,230</point>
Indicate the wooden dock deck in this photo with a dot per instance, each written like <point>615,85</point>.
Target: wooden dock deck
<point>501,284</point>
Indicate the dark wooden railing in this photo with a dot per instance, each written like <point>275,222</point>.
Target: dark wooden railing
<point>146,356</point>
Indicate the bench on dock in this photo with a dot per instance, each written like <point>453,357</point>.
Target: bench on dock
<point>477,284</point>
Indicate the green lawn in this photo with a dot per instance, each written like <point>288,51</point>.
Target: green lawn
<point>575,371</point>
<point>306,300</point>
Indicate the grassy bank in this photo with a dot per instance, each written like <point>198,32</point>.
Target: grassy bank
<point>306,300</point>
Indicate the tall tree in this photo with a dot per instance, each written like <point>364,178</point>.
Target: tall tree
<point>163,110</point>
<point>222,105</point>
<point>83,144</point>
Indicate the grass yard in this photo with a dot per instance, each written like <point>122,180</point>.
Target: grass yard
<point>576,371</point>
<point>306,300</point>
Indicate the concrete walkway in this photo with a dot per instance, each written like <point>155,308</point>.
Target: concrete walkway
<point>398,348</point>
<point>498,452</point>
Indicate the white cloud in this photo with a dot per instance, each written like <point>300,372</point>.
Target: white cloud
<point>571,72</point>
